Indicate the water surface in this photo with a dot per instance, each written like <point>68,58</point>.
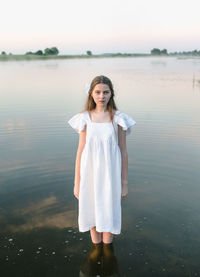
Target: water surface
<point>38,212</point>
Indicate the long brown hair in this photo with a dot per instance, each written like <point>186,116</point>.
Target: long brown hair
<point>90,104</point>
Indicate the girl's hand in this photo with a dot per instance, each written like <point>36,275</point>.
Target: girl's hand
<point>124,191</point>
<point>76,191</point>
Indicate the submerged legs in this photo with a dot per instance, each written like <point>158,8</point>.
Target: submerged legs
<point>101,260</point>
<point>97,237</point>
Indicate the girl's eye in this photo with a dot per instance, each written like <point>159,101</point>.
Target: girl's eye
<point>105,92</point>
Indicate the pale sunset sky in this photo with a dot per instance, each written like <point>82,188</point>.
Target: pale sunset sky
<point>128,26</point>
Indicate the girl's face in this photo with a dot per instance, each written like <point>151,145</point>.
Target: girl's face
<point>101,94</point>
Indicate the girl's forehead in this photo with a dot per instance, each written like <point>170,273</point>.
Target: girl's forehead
<point>101,86</point>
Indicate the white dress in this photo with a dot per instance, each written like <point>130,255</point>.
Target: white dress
<point>100,172</point>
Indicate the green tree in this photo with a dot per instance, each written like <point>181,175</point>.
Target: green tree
<point>164,52</point>
<point>195,52</point>
<point>39,52</point>
<point>51,51</point>
<point>47,51</point>
<point>155,51</point>
<point>54,50</point>
<point>3,53</point>
<point>89,53</point>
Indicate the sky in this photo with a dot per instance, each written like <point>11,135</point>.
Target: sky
<point>103,26</point>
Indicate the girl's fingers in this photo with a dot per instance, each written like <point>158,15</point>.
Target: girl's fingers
<point>76,195</point>
<point>124,196</point>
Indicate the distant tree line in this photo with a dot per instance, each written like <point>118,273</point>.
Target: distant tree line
<point>47,51</point>
<point>156,51</point>
<point>191,53</point>
<point>4,53</point>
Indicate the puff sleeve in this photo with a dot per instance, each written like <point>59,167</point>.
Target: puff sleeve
<point>77,122</point>
<point>125,121</point>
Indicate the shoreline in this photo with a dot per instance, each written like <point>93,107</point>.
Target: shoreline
<point>57,57</point>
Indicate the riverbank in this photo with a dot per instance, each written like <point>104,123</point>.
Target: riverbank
<point>48,57</point>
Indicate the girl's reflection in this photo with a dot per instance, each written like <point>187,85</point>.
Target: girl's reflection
<point>101,261</point>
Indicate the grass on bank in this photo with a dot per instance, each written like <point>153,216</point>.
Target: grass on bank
<point>47,57</point>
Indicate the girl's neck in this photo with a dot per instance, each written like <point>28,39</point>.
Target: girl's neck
<point>100,109</point>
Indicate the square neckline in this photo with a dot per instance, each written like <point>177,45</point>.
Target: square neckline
<point>97,122</point>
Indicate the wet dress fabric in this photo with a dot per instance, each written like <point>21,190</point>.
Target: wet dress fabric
<point>100,172</point>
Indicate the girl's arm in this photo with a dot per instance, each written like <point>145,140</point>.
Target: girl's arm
<point>124,155</point>
<point>81,145</point>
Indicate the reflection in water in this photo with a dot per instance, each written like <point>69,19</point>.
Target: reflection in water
<point>41,213</point>
<point>38,212</point>
<point>159,63</point>
<point>101,261</point>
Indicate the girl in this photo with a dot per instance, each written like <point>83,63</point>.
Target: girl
<point>101,166</point>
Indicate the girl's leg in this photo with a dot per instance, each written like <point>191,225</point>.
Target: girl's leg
<point>95,236</point>
<point>107,237</point>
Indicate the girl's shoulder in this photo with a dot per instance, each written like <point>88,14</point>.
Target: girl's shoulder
<point>124,120</point>
<point>78,121</point>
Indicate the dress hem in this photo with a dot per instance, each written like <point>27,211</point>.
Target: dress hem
<point>98,230</point>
